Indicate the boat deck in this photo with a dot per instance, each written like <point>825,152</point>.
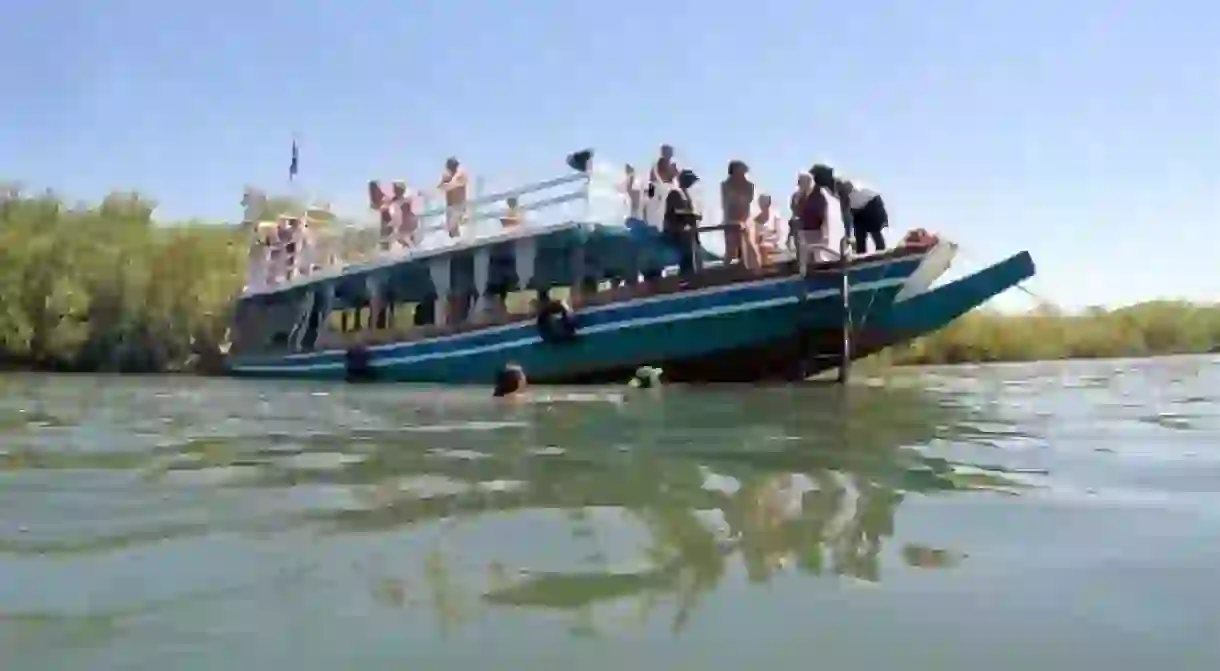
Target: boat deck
<point>709,277</point>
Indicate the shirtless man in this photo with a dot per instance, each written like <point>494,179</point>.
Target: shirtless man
<point>453,184</point>
<point>512,215</point>
<point>664,171</point>
<point>736,196</point>
<point>406,221</point>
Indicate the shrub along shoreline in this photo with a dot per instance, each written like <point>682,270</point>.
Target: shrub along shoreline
<point>105,288</point>
<point>1152,328</point>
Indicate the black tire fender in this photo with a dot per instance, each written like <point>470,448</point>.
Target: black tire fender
<point>556,323</point>
<point>357,364</point>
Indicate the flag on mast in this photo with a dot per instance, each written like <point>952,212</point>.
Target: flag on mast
<point>295,165</point>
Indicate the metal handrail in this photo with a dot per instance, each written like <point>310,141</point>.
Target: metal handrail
<point>306,258</point>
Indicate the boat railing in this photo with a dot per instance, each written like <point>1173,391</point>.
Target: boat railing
<point>586,194</point>
<point>476,212</point>
<point>326,248</point>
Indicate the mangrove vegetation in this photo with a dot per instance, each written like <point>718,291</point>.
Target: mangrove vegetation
<point>106,287</point>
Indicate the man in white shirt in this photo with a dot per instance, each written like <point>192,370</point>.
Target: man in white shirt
<point>863,210</point>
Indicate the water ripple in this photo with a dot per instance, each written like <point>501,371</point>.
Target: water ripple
<point>136,509</point>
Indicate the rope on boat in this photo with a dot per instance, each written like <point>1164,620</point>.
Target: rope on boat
<point>1042,301</point>
<point>871,298</point>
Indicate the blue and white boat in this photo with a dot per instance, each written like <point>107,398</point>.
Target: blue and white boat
<point>423,314</point>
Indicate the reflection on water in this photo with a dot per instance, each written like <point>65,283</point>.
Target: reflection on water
<point>318,524</point>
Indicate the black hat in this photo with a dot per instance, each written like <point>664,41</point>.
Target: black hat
<point>509,380</point>
<point>823,175</point>
<point>687,177</point>
<point>580,161</point>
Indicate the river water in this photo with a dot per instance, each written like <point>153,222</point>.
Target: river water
<point>1050,516</point>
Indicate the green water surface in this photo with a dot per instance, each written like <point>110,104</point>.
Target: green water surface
<point>1049,516</point>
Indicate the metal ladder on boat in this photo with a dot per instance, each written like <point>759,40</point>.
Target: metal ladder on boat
<point>846,320</point>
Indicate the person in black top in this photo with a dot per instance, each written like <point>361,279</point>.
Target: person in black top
<point>681,222</point>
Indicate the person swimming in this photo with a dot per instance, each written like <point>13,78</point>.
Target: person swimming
<point>510,381</point>
<point>646,377</point>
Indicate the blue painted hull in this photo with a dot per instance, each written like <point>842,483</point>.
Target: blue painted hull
<point>739,332</point>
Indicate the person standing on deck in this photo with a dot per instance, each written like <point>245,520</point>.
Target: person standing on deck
<point>259,259</point>
<point>861,208</point>
<point>868,215</point>
<point>766,229</point>
<point>632,188</point>
<point>381,203</point>
<point>681,222</point>
<point>664,171</point>
<point>405,221</point>
<point>810,225</point>
<point>287,234</point>
<point>804,184</point>
<point>512,218</point>
<point>453,184</point>
<point>736,195</point>
<point>512,215</point>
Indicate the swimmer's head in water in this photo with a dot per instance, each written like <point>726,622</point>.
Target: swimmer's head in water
<point>510,380</point>
<point>646,377</point>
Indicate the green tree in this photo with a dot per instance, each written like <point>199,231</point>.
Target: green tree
<point>108,288</point>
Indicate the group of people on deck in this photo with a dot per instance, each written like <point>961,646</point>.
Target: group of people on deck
<point>750,222</point>
<point>285,247</point>
<point>400,209</point>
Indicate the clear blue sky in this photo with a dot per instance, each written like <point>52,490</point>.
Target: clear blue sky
<point>1086,131</point>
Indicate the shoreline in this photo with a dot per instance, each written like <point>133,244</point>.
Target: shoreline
<point>873,365</point>
<point>156,298</point>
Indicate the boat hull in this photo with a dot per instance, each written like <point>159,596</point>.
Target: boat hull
<point>774,328</point>
<point>819,348</point>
